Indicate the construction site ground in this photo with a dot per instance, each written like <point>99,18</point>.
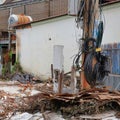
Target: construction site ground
<point>37,101</point>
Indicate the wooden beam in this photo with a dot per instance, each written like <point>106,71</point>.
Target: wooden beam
<point>73,80</point>
<point>90,14</point>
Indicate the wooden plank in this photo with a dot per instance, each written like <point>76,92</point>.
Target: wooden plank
<point>60,82</point>
<point>73,80</point>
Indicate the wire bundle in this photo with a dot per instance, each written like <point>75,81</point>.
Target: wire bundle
<point>96,67</point>
<point>95,64</point>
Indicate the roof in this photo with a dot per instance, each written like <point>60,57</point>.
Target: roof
<point>17,26</point>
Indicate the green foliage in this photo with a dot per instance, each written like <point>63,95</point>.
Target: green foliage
<point>4,70</point>
<point>17,67</point>
<point>10,55</point>
<point>14,69</point>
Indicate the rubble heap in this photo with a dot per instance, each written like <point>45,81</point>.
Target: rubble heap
<point>92,101</point>
<point>24,97</point>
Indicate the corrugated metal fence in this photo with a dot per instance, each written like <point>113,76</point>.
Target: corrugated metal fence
<point>112,81</point>
<point>113,51</point>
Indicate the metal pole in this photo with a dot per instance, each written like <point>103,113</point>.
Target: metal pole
<point>9,33</point>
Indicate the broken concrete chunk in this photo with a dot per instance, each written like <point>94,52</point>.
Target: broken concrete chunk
<point>37,116</point>
<point>23,116</point>
<point>111,118</point>
<point>27,116</point>
<point>22,78</point>
<point>52,116</point>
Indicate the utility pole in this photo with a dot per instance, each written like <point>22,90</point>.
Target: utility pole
<point>90,15</point>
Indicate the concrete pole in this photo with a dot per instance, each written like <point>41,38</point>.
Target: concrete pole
<point>58,68</point>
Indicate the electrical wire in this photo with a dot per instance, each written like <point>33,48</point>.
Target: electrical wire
<point>93,72</point>
<point>100,68</point>
<point>100,34</point>
<point>85,49</point>
<point>79,17</point>
<point>98,71</point>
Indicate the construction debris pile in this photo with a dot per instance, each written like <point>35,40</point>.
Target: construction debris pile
<point>38,101</point>
<point>91,101</point>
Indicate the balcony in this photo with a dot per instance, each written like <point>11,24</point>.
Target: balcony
<point>6,41</point>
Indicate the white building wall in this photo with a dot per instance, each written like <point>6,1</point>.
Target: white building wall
<point>112,23</point>
<point>36,44</point>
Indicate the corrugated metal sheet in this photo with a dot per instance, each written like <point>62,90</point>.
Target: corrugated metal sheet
<point>115,59</point>
<point>113,82</point>
<point>119,56</point>
<point>113,51</point>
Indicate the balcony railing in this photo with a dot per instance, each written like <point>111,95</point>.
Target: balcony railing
<point>6,41</point>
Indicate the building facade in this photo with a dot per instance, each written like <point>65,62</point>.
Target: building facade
<point>36,44</point>
<point>37,9</point>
